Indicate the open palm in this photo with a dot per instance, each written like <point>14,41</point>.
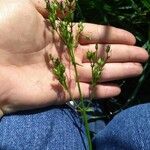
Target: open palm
<point>26,41</point>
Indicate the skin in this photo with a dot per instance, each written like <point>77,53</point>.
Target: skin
<point>26,41</point>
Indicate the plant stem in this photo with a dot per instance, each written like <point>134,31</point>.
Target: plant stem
<point>83,111</point>
<point>85,118</point>
<point>65,31</point>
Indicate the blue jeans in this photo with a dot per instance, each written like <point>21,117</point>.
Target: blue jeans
<point>59,128</point>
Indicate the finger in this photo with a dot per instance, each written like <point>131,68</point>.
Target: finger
<point>118,52</point>
<point>29,92</point>
<point>34,87</point>
<point>93,33</point>
<point>101,91</point>
<point>111,72</point>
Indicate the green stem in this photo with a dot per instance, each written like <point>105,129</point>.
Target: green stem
<point>83,111</point>
<point>85,118</point>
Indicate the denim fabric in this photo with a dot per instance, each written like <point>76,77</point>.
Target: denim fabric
<point>57,128</point>
<point>129,130</point>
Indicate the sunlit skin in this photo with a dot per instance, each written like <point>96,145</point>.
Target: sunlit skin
<point>26,41</point>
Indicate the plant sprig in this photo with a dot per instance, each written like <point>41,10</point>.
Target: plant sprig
<point>64,27</point>
<point>97,63</point>
<point>59,71</point>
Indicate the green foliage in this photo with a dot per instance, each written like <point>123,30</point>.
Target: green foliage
<point>134,16</point>
<point>97,64</point>
<point>59,71</point>
<point>146,3</point>
<point>53,9</point>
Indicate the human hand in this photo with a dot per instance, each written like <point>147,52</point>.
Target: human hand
<point>26,41</point>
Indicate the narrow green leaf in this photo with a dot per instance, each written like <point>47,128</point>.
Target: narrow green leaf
<point>146,3</point>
